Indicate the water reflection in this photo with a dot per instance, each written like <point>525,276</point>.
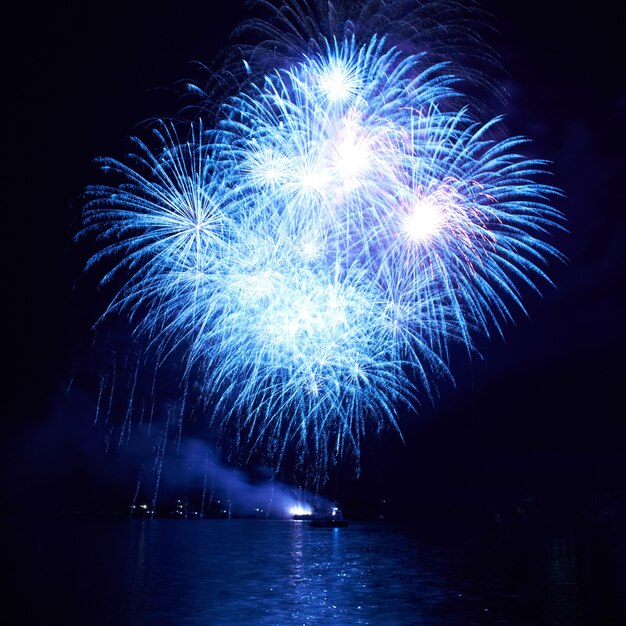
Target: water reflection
<point>239,572</point>
<point>225,572</point>
<point>562,575</point>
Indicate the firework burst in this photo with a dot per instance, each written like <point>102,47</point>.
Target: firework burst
<point>317,252</point>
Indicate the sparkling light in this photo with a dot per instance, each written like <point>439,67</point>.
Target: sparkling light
<point>320,250</point>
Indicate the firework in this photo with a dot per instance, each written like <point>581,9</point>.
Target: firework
<point>316,254</point>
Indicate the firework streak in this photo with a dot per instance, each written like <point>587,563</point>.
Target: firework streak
<point>318,251</point>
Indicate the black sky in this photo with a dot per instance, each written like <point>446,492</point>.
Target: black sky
<point>541,416</point>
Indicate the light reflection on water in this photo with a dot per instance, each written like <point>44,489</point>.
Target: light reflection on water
<point>257,572</point>
<point>231,572</point>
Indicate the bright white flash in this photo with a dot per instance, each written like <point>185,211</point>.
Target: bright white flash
<point>266,167</point>
<point>337,83</point>
<point>300,509</point>
<point>352,154</point>
<point>310,249</point>
<point>424,221</point>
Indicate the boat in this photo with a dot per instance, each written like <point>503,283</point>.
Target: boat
<point>334,519</point>
<point>299,517</point>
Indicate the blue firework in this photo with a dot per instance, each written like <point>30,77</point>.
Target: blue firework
<point>317,254</point>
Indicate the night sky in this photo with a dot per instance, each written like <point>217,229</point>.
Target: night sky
<point>539,421</point>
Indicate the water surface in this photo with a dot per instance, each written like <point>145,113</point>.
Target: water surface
<point>118,571</point>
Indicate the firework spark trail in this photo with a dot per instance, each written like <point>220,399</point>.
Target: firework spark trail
<point>319,251</point>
